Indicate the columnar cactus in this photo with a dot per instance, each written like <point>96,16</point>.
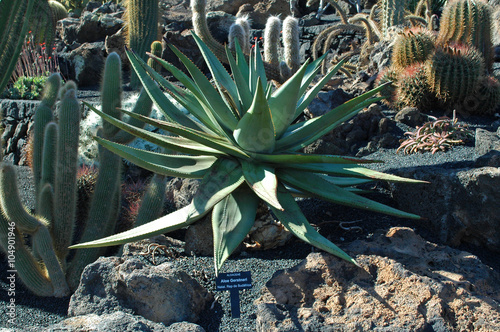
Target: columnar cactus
<point>468,22</point>
<point>392,13</point>
<point>240,31</point>
<point>291,43</point>
<point>141,18</point>
<point>14,23</point>
<point>272,40</point>
<point>55,166</point>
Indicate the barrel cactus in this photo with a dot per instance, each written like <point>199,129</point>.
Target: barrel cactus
<point>412,46</point>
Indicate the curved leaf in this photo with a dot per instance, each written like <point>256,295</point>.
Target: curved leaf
<point>316,186</point>
<point>232,219</point>
<point>263,182</point>
<point>293,220</point>
<point>164,164</point>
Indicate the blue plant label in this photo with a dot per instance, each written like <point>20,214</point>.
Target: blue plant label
<point>233,281</point>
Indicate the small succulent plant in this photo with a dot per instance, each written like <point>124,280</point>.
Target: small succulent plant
<point>438,135</point>
<point>241,139</point>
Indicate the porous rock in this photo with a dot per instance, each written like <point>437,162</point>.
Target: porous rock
<point>84,64</point>
<point>159,293</point>
<point>404,284</point>
<point>117,321</point>
<point>458,205</point>
<point>410,116</point>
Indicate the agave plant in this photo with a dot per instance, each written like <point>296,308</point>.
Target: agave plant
<point>240,138</point>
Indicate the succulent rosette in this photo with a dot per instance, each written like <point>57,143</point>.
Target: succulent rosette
<point>241,137</point>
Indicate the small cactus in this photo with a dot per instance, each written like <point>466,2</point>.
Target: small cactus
<point>413,89</point>
<point>412,46</point>
<point>156,49</point>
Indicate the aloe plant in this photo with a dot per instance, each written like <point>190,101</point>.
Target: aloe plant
<point>240,138</point>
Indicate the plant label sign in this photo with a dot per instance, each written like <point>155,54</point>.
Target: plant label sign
<point>233,282</point>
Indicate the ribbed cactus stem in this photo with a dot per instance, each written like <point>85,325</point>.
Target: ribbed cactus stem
<point>142,21</point>
<point>65,182</point>
<point>412,46</point>
<point>272,34</point>
<point>453,72</point>
<point>14,23</point>
<point>392,13</point>
<point>111,91</point>
<point>43,116</point>
<point>49,153</point>
<point>468,22</point>
<point>152,201</point>
<point>244,22</point>
<point>102,213</point>
<point>156,49</point>
<point>236,33</point>
<point>291,43</point>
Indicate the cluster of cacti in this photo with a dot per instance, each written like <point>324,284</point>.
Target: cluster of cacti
<point>468,22</point>
<point>141,19</point>
<point>438,135</point>
<point>275,70</point>
<point>441,72</point>
<point>14,23</point>
<point>392,12</point>
<point>44,266</point>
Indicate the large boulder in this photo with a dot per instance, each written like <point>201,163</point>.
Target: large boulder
<point>159,293</point>
<point>404,283</point>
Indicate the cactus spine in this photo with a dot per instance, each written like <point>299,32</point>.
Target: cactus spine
<point>141,18</point>
<point>156,49</point>
<point>468,22</point>
<point>392,13</point>
<point>14,23</point>
<point>453,72</point>
<point>412,46</point>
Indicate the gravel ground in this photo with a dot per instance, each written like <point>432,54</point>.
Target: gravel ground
<point>33,312</point>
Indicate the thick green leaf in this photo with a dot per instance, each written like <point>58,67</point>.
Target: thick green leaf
<point>351,170</point>
<point>263,182</point>
<point>223,178</point>
<point>211,98</point>
<point>293,220</point>
<point>245,97</point>
<point>255,130</point>
<point>339,181</point>
<point>313,92</point>
<point>164,164</point>
<point>312,70</point>
<point>179,144</point>
<point>259,65</point>
<point>161,101</point>
<point>232,219</point>
<point>306,132</point>
<point>303,158</point>
<point>283,101</point>
<point>221,77</point>
<point>171,222</point>
<point>316,186</point>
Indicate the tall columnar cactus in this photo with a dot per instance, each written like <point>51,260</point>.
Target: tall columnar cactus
<point>392,12</point>
<point>291,43</point>
<point>412,46</point>
<point>453,72</point>
<point>272,40</point>
<point>468,22</point>
<point>14,23</point>
<point>141,18</point>
<point>44,266</point>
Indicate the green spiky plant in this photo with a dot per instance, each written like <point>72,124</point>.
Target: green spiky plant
<point>468,22</point>
<point>412,46</point>
<point>14,23</point>
<point>239,138</point>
